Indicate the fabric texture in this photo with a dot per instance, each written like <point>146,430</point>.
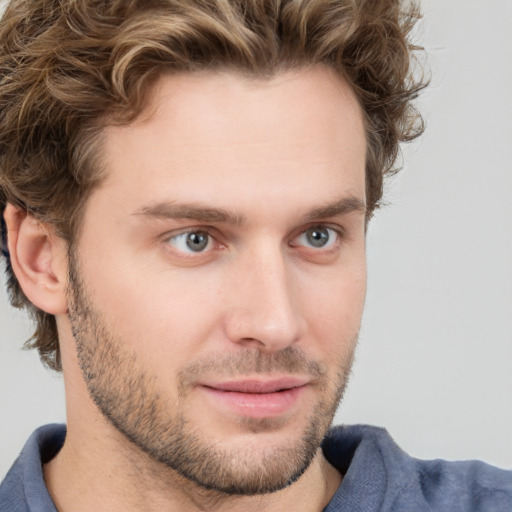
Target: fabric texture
<point>23,489</point>
<point>378,477</point>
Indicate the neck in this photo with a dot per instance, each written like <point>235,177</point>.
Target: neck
<point>91,474</point>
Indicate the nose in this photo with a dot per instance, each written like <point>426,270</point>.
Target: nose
<point>264,304</point>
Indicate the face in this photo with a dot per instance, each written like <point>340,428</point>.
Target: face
<point>217,286</point>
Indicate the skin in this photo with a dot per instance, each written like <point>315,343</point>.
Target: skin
<point>257,167</point>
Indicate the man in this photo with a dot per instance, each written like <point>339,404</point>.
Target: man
<point>186,188</point>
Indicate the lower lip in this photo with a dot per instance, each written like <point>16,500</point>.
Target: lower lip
<point>258,405</point>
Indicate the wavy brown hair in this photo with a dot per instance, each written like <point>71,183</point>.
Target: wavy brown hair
<point>69,67</point>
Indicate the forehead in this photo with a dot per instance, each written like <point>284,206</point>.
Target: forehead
<point>228,138</point>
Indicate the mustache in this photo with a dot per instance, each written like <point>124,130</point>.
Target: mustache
<point>289,360</point>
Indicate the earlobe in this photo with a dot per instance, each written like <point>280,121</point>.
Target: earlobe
<point>38,258</point>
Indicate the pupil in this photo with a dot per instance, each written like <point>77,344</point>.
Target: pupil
<point>318,237</point>
<point>197,241</point>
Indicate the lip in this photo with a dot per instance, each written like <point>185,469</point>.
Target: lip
<point>259,385</point>
<point>257,398</point>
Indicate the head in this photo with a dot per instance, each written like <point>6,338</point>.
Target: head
<point>71,68</point>
<point>101,101</point>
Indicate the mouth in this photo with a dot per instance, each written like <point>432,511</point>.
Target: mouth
<point>257,398</point>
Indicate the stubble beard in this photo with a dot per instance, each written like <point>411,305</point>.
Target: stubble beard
<point>129,398</point>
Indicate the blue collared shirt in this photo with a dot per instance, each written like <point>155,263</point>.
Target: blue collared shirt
<point>378,477</point>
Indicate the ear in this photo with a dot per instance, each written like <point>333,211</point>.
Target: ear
<point>39,260</point>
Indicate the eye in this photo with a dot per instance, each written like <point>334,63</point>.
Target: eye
<point>191,241</point>
<point>317,237</point>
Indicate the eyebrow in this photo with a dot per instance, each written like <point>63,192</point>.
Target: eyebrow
<point>170,210</point>
<point>343,206</point>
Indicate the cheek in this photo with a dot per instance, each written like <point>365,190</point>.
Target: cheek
<point>335,309</point>
<point>160,315</point>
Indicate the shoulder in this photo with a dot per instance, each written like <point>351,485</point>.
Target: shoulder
<point>473,485</point>
<point>379,473</point>
<point>23,489</point>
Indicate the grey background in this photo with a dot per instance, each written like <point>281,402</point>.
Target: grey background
<point>435,358</point>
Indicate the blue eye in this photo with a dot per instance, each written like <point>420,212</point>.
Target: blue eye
<point>191,241</point>
<point>318,237</point>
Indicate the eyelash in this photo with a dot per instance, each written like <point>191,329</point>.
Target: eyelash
<point>337,232</point>
<point>199,231</point>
